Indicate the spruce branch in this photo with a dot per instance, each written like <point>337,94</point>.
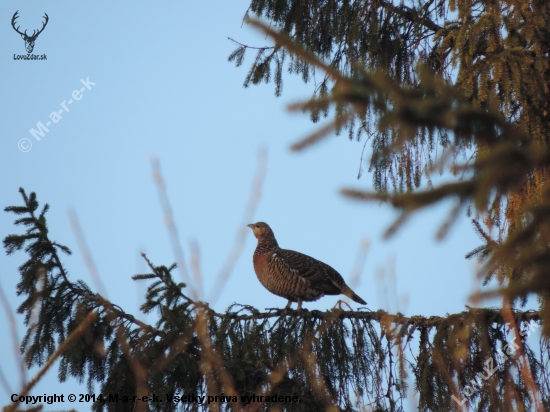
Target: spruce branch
<point>250,47</point>
<point>412,15</point>
<point>416,322</point>
<point>43,255</point>
<point>311,353</point>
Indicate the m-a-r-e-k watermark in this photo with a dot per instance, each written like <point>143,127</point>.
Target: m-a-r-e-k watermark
<point>41,130</point>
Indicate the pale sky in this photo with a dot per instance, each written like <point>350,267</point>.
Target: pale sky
<point>158,84</point>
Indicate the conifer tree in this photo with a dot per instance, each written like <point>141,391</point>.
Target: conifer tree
<point>461,87</point>
<point>196,359</point>
<point>387,70</point>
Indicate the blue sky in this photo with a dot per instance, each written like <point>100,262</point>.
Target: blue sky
<point>163,87</point>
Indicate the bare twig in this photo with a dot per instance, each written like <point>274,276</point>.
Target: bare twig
<point>196,267</point>
<point>359,263</point>
<point>92,268</point>
<point>212,366</point>
<point>15,342</point>
<point>112,316</point>
<point>171,225</point>
<point>250,47</point>
<point>99,299</point>
<point>62,348</point>
<point>523,362</point>
<point>321,133</point>
<point>248,215</point>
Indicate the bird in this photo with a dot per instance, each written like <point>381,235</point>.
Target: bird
<point>293,275</point>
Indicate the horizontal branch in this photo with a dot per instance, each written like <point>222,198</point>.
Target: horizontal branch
<point>412,15</point>
<point>382,316</point>
<point>250,47</point>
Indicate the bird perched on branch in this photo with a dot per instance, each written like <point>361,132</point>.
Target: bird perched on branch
<point>293,275</point>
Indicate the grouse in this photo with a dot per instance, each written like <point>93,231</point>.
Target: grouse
<point>293,275</point>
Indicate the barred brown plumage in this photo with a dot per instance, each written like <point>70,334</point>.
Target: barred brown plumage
<point>293,275</point>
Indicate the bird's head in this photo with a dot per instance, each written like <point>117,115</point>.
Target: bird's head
<point>261,230</point>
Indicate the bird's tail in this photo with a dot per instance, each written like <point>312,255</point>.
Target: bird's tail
<point>352,295</point>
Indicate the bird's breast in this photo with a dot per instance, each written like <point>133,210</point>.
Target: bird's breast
<point>260,262</point>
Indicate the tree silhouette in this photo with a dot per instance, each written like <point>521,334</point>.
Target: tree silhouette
<point>428,83</point>
<point>196,359</point>
<point>425,83</point>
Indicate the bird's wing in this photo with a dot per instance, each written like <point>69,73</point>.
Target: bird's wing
<point>317,274</point>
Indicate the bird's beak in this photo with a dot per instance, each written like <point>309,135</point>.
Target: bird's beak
<point>251,226</point>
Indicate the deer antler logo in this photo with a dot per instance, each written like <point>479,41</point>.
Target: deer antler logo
<point>29,40</point>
